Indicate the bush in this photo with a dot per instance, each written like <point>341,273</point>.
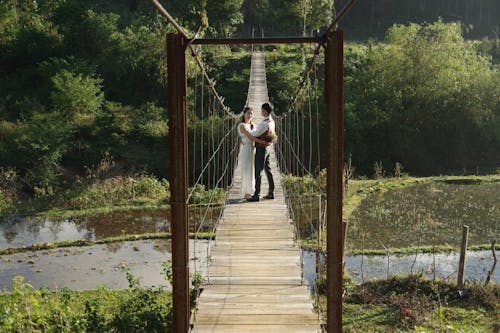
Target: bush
<point>118,190</point>
<point>200,195</point>
<point>306,184</point>
<point>102,310</point>
<point>9,182</point>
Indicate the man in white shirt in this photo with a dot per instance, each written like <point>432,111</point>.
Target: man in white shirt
<point>266,132</point>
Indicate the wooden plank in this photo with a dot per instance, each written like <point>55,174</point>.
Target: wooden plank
<point>264,319</point>
<point>254,328</point>
<point>260,280</point>
<point>274,290</point>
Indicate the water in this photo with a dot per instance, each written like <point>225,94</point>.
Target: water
<point>443,265</point>
<point>90,266</point>
<point>20,231</point>
<point>431,214</point>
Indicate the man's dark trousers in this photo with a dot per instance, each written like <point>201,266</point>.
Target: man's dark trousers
<point>262,162</point>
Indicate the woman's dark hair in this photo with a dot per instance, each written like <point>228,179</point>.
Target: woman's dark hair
<point>247,108</point>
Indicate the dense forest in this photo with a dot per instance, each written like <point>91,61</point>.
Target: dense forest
<point>83,80</point>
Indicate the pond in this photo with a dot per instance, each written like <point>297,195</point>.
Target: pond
<point>441,265</point>
<point>430,214</point>
<point>90,266</point>
<point>24,231</point>
<point>420,215</point>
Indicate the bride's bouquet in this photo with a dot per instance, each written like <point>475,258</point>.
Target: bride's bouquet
<point>271,137</point>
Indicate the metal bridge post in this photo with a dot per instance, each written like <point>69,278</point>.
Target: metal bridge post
<point>177,122</point>
<point>334,95</point>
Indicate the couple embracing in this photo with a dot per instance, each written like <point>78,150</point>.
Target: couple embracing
<point>252,163</point>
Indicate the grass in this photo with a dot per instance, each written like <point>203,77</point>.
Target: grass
<point>429,214</point>
<point>429,209</point>
<point>102,196</point>
<point>312,245</point>
<point>360,189</point>
<point>100,310</point>
<point>414,304</point>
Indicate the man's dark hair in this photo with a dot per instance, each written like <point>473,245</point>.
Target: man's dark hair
<point>267,107</point>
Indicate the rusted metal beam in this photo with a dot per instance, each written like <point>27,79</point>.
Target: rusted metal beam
<point>267,40</point>
<point>334,95</point>
<point>178,174</point>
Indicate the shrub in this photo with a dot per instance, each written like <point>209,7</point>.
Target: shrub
<point>102,310</point>
<point>117,190</point>
<point>200,195</point>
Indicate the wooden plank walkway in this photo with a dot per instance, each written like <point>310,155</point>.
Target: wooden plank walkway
<point>255,275</point>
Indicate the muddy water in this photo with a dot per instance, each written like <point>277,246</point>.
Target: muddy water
<point>17,231</point>
<point>90,266</point>
<point>442,265</point>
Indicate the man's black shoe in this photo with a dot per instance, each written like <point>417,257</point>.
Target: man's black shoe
<point>254,198</point>
<point>269,196</point>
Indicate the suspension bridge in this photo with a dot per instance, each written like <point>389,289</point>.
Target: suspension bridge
<point>254,281</point>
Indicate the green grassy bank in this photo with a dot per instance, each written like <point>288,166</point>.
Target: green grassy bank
<point>403,215</point>
<point>414,304</point>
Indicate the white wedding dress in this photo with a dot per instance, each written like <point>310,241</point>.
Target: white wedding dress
<point>246,161</point>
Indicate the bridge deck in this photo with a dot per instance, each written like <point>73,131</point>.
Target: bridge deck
<point>255,276</point>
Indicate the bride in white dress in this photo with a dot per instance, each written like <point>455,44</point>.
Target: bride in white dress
<point>246,160</point>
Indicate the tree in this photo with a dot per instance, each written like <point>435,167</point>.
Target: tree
<point>224,16</point>
<point>425,98</point>
<point>75,97</point>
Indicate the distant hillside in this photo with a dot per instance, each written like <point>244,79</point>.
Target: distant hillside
<point>371,18</point>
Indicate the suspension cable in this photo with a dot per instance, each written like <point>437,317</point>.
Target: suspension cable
<point>195,55</point>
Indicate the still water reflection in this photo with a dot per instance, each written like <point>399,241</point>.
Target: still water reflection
<point>21,231</point>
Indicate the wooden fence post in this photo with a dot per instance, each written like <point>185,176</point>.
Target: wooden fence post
<point>463,250</point>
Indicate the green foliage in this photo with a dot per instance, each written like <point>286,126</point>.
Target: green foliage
<point>224,16</point>
<point>79,79</point>
<point>378,170</point>
<point>398,170</point>
<point>58,59</point>
<point>5,202</point>
<point>285,18</point>
<point>197,280</point>
<point>431,208</point>
<point>9,187</point>
<point>414,304</point>
<point>37,147</point>
<point>426,95</point>
<point>116,191</point>
<point>305,185</point>
<point>200,195</point>
<point>76,98</point>
<point>101,310</point>
<point>167,270</point>
<point>133,281</point>
<point>371,19</point>
<point>283,79</point>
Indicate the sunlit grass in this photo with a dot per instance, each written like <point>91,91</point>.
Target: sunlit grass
<point>414,304</point>
<point>393,214</point>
